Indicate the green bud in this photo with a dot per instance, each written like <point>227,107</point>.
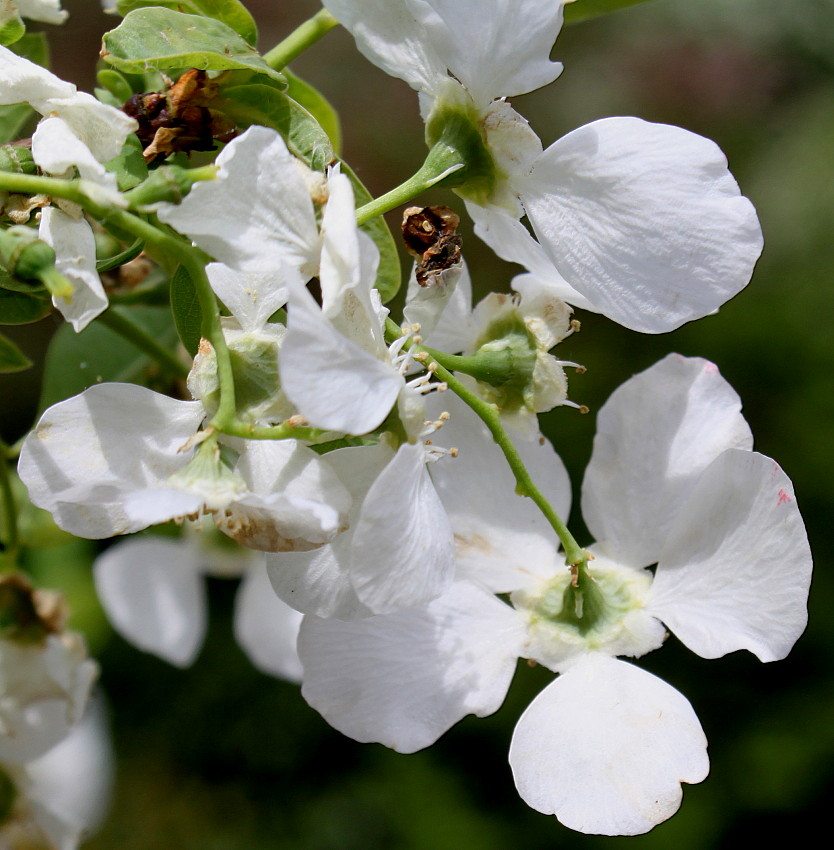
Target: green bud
<point>17,159</point>
<point>30,259</point>
<point>12,28</point>
<point>115,83</point>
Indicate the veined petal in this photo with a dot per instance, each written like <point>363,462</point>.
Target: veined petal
<point>257,214</point>
<point>392,35</point>
<point>655,435</point>
<point>403,679</point>
<point>266,627</point>
<point>605,748</point>
<point>334,383</point>
<point>511,240</point>
<point>75,257</point>
<point>644,220</point>
<point>251,297</point>
<point>736,567</point>
<point>154,596</point>
<point>116,437</point>
<point>404,551</point>
<point>502,539</point>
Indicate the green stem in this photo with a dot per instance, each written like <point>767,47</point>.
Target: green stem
<point>488,413</point>
<point>163,246</point>
<point>284,431</point>
<point>119,323</point>
<point>9,514</point>
<point>441,162</point>
<point>298,41</point>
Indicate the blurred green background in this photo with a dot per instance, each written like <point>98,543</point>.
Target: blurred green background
<point>220,757</point>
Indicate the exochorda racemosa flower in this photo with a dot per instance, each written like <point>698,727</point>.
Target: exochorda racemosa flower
<point>77,132</point>
<point>641,222</point>
<point>673,482</point>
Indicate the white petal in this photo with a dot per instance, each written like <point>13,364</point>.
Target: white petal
<point>405,678</point>
<point>454,331</point>
<point>251,297</point>
<point>75,257</point>
<point>334,383</point>
<point>89,452</point>
<point>502,539</point>
<point>425,304</point>
<point>735,570</point>
<point>655,435</point>
<point>644,220</point>
<point>318,582</point>
<point>266,627</point>
<point>404,551</point>
<point>605,748</point>
<point>47,11</point>
<point>393,36</point>
<point>257,213</point>
<point>159,504</point>
<point>511,240</point>
<point>154,596</point>
<point>24,81</point>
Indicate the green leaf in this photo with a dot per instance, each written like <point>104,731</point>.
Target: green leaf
<point>230,12</point>
<point>12,28</point>
<point>583,10</point>
<point>129,165</point>
<point>389,274</point>
<point>14,118</point>
<point>115,83</point>
<point>77,361</point>
<point>12,359</point>
<point>185,305</point>
<point>158,39</point>
<point>318,106</point>
<point>19,308</point>
<point>260,102</point>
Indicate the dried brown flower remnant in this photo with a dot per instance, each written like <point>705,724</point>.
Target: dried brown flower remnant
<point>430,233</point>
<point>181,118</point>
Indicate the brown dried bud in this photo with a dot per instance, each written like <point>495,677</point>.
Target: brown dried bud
<point>430,233</point>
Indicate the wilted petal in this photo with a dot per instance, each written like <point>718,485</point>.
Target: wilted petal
<point>75,257</point>
<point>605,748</point>
<point>644,220</point>
<point>154,596</point>
<point>88,452</point>
<point>257,214</point>
<point>405,678</point>
<point>404,551</point>
<point>266,627</point>
<point>735,570</point>
<point>655,435</point>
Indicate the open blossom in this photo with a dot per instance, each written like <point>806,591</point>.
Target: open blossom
<point>641,222</point>
<point>118,458</point>
<point>77,132</point>
<point>153,591</point>
<point>673,482</point>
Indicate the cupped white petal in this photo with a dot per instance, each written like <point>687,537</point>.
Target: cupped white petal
<point>89,452</point>
<point>318,582</point>
<point>736,567</point>
<point>511,240</point>
<point>404,551</point>
<point>75,257</point>
<point>644,220</point>
<point>502,539</point>
<point>335,384</point>
<point>257,214</point>
<point>605,748</point>
<point>655,435</point>
<point>251,297</point>
<point>266,627</point>
<point>154,595</point>
<point>405,678</point>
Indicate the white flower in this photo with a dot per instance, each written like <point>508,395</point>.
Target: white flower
<point>77,132</point>
<point>47,11</point>
<point>153,592</point>
<point>641,222</point>
<point>44,685</point>
<point>65,793</point>
<point>672,481</point>
<point>117,458</point>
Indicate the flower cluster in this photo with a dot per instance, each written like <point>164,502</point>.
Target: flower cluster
<point>382,488</point>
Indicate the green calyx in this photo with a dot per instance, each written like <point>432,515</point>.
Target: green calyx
<point>17,159</point>
<point>32,260</point>
<point>582,604</point>
<point>455,123</point>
